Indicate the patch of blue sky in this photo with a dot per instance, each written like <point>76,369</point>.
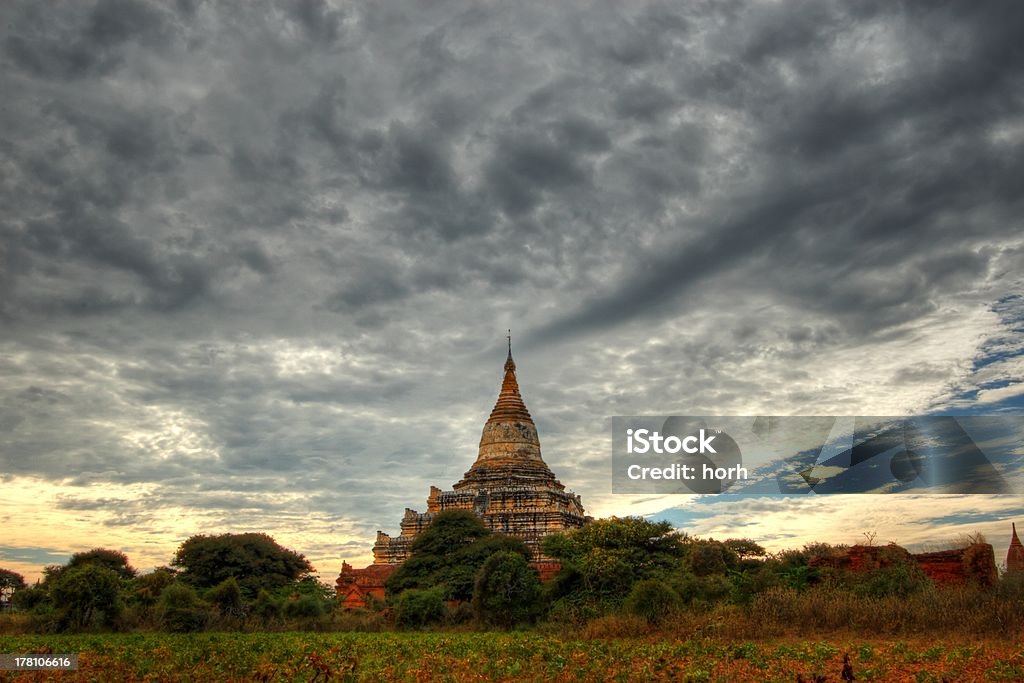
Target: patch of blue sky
<point>37,556</point>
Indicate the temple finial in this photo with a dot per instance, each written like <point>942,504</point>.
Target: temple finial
<point>509,335</point>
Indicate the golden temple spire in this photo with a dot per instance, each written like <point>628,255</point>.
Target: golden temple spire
<point>510,406</point>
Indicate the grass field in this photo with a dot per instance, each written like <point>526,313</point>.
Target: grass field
<point>514,656</point>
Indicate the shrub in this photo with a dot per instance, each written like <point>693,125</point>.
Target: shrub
<point>180,610</point>
<point>900,579</point>
<point>29,598</point>
<point>416,608</point>
<point>304,607</point>
<point>652,600</point>
<point>506,591</point>
<point>267,608</point>
<point>86,596</point>
<point>700,590</point>
<point>227,597</point>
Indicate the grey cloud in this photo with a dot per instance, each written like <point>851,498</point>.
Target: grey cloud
<point>273,247</point>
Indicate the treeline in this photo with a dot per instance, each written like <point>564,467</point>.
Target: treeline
<point>230,581</point>
<point>618,577</point>
<point>629,576</point>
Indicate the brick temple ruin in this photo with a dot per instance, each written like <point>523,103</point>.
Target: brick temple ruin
<point>509,487</point>
<point>974,563</point>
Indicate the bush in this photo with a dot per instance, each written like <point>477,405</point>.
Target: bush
<point>507,590</point>
<point>652,600</point>
<point>700,590</point>
<point>87,596</point>
<point>180,610</point>
<point>897,580</point>
<point>304,607</point>
<point>29,598</point>
<point>267,608</point>
<point>416,608</point>
<point>227,598</point>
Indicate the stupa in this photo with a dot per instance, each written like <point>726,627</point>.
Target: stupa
<point>1015,553</point>
<point>509,487</point>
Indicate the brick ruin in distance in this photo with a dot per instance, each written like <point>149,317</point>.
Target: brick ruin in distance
<point>971,564</point>
<point>509,487</point>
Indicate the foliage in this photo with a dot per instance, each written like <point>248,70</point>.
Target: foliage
<point>255,560</point>
<point>304,607</point>
<point>449,553</point>
<point>744,548</point>
<point>10,582</point>
<point>416,608</point>
<point>507,590</point>
<point>30,598</point>
<point>707,557</point>
<point>266,607</point>
<point>227,598</point>
<point>899,579</point>
<point>701,590</point>
<point>145,589</point>
<point>86,596</point>
<point>602,560</point>
<point>448,531</point>
<point>180,610</point>
<point>114,560</point>
<point>652,600</point>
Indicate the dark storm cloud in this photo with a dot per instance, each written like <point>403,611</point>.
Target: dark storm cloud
<point>261,248</point>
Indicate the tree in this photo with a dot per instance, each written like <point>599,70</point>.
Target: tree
<point>602,560</point>
<point>652,600</point>
<point>113,560</point>
<point>303,607</point>
<point>86,596</point>
<point>418,608</point>
<point>449,553</point>
<point>9,583</point>
<point>145,589</point>
<point>507,590</point>
<point>227,597</point>
<point>744,548</point>
<point>180,609</point>
<point>267,607</point>
<point>255,561</point>
<point>711,557</point>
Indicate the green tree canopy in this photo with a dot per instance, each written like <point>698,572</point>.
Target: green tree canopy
<point>113,560</point>
<point>652,599</point>
<point>10,581</point>
<point>255,561</point>
<point>707,557</point>
<point>609,555</point>
<point>449,553</point>
<point>418,608</point>
<point>86,596</point>
<point>745,548</point>
<point>227,597</point>
<point>507,590</point>
<point>145,589</point>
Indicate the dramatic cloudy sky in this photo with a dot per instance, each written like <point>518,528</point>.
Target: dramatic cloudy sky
<point>257,260</point>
